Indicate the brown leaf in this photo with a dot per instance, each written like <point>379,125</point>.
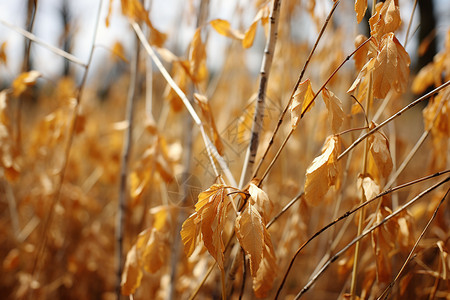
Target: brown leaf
<point>197,58</point>
<point>360,9</point>
<point>385,20</point>
<point>250,233</point>
<point>3,56</point>
<point>369,186</point>
<point>223,27</point>
<point>267,270</point>
<point>380,154</point>
<point>203,102</point>
<point>209,216</point>
<point>23,81</point>
<point>132,274</point>
<point>323,172</point>
<point>301,102</point>
<point>391,69</point>
<point>118,52</point>
<point>335,112</point>
<point>261,201</point>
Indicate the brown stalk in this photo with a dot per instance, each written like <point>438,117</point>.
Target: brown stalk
<point>260,101</point>
<point>412,104</point>
<point>347,214</point>
<point>411,253</point>
<point>366,232</point>
<point>302,73</point>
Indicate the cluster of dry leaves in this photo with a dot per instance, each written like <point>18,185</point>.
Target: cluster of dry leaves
<point>60,158</point>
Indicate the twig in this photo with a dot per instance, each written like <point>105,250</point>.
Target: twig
<point>415,148</point>
<point>209,145</point>
<point>412,104</point>
<point>126,151</point>
<point>285,208</point>
<point>37,40</point>
<point>347,214</point>
<point>260,103</point>
<point>299,80</point>
<point>49,217</point>
<point>366,232</point>
<point>308,106</point>
<point>410,23</point>
<point>410,255</point>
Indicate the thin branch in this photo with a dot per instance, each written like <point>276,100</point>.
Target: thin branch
<point>299,80</point>
<point>410,23</point>
<point>366,232</point>
<point>126,151</point>
<point>306,109</point>
<point>71,132</point>
<point>260,103</point>
<point>349,213</point>
<point>209,145</point>
<point>411,253</point>
<point>37,40</point>
<point>285,208</point>
<point>412,104</point>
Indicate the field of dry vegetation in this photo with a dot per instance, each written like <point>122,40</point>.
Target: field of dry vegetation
<point>324,176</point>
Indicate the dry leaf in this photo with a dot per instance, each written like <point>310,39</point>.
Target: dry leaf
<point>261,201</point>
<point>209,216</point>
<point>385,20</point>
<point>267,270</point>
<point>301,102</point>
<point>132,274</point>
<point>360,9</point>
<point>370,188</point>
<point>3,56</point>
<point>335,112</point>
<point>118,51</point>
<point>23,81</point>
<point>379,153</point>
<point>208,118</point>
<point>250,233</point>
<point>391,69</point>
<point>197,58</point>
<point>423,79</point>
<point>323,172</point>
<point>249,37</point>
<point>223,27</point>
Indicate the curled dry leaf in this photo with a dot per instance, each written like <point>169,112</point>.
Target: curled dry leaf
<point>208,117</point>
<point>208,221</point>
<point>132,273</point>
<point>335,112</point>
<point>23,81</point>
<point>369,186</point>
<point>380,156</point>
<point>301,102</point>
<point>3,56</point>
<point>250,233</point>
<point>261,201</point>
<point>323,172</point>
<point>385,20</point>
<point>118,52</point>
<point>360,9</point>
<point>8,149</point>
<point>197,58</point>
<point>223,27</point>
<point>249,37</point>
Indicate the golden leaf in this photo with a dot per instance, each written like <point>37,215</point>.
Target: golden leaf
<point>118,52</point>
<point>369,186</point>
<point>301,102</point>
<point>268,269</point>
<point>379,153</point>
<point>385,20</point>
<point>23,81</point>
<point>335,112</point>
<point>391,69</point>
<point>249,36</point>
<point>423,79</point>
<point>209,216</point>
<point>203,102</point>
<point>197,58</point>
<point>155,251</point>
<point>322,173</point>
<point>132,274</point>
<point>360,9</point>
<point>3,56</point>
<point>223,27</point>
<point>260,200</point>
<point>250,233</point>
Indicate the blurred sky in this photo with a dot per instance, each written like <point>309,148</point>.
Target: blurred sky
<point>166,15</point>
